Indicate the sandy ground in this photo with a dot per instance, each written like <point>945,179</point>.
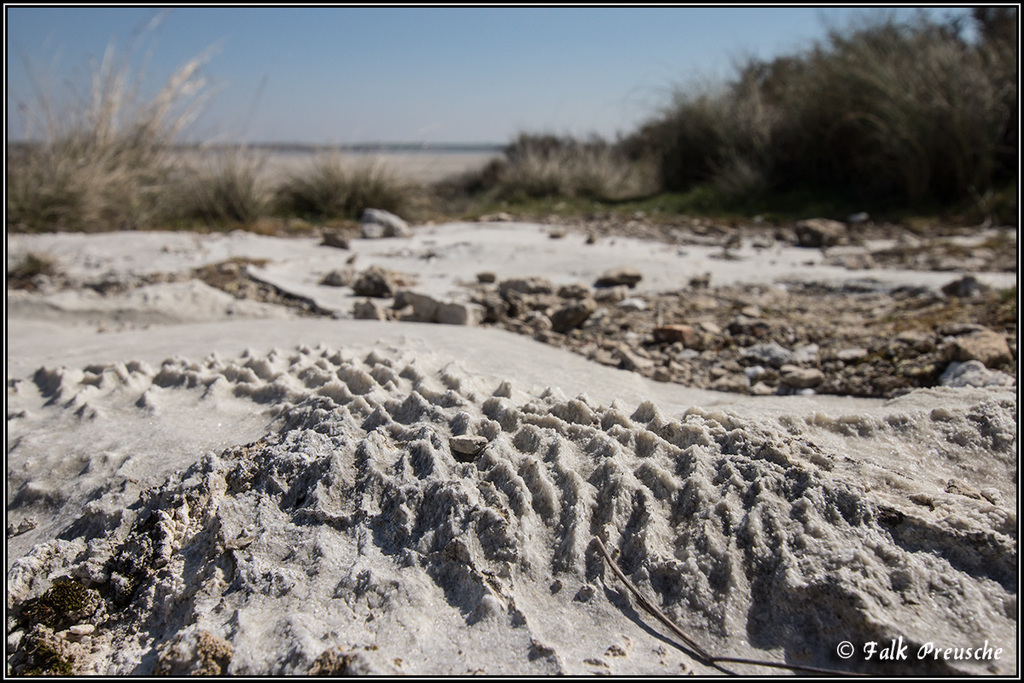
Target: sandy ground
<point>234,488</point>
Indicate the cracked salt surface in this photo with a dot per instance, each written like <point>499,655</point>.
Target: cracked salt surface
<point>320,502</point>
<point>348,523</point>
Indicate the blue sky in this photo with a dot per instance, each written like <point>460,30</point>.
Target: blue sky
<point>412,74</point>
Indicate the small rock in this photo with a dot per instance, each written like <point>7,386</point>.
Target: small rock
<point>26,525</point>
<point>670,334</point>
<point>768,353</point>
<point>801,378</point>
<point>501,217</point>
<point>611,295</point>
<point>537,321</point>
<point>574,291</point>
<point>530,285</point>
<point>486,277</point>
<point>378,223</point>
<point>335,238</point>
<point>585,593</point>
<point>631,361</point>
<point>986,346</point>
<point>572,316</point>
<point>633,304</point>
<point>852,354</point>
<point>700,281</point>
<point>424,307</point>
<point>966,287</point>
<point>735,382</point>
<point>755,372</point>
<point>806,353</point>
<point>467,446</point>
<point>368,310</point>
<point>858,218</point>
<point>973,374</point>
<point>81,630</point>
<point>455,313</point>
<point>761,389</point>
<point>375,282</point>
<point>619,276</point>
<point>339,278</point>
<point>816,233</point>
<point>557,233</point>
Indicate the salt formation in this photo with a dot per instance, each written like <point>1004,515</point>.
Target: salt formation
<point>401,521</point>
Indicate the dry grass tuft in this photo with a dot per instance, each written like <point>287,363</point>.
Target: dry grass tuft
<point>100,162</point>
<point>333,187</point>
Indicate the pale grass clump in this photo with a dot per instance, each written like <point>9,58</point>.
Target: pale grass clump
<point>333,187</point>
<point>546,166</point>
<point>100,161</point>
<point>225,190</point>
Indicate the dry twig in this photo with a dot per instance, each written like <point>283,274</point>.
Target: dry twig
<point>702,654</point>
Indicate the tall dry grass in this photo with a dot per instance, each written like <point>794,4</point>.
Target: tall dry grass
<point>98,160</point>
<point>884,110</point>
<point>226,190</point>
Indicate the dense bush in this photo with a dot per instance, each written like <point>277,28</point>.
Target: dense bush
<point>898,111</point>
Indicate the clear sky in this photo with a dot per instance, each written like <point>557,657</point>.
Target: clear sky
<point>413,74</point>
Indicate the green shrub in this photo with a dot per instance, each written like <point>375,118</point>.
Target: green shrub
<point>905,112</point>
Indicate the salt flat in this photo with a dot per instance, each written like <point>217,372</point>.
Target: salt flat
<point>252,492</point>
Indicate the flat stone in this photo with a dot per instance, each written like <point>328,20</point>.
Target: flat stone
<point>670,334</point>
<point>574,291</point>
<point>967,287</point>
<point>734,382</point>
<point>454,313</point>
<point>368,310</point>
<point>619,276</point>
<point>374,282</point>
<point>528,285</point>
<point>343,277</point>
<point>335,238</point>
<point>572,316</point>
<point>768,353</point>
<point>816,233</point>
<point>852,354</point>
<point>801,378</point>
<point>423,306</point>
<point>611,295</point>
<point>467,445</point>
<point>986,346</point>
<point>632,304</point>
<point>631,361</point>
<point>378,223</point>
<point>973,374</point>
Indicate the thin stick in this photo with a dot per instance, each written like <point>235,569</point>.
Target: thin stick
<point>701,653</point>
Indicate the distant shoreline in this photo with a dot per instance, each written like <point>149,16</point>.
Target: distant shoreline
<point>361,147</point>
